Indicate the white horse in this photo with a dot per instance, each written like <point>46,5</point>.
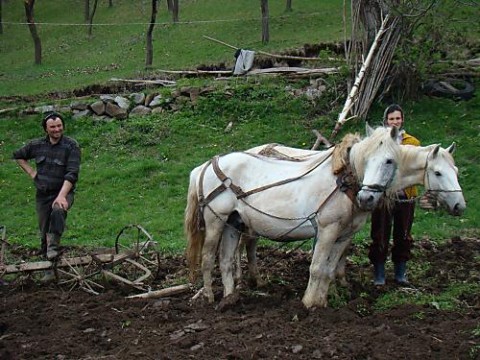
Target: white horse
<point>285,200</point>
<point>430,166</point>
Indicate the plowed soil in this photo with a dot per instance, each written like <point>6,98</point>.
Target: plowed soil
<point>39,321</point>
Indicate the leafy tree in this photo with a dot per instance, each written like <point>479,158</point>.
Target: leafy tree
<point>29,6</point>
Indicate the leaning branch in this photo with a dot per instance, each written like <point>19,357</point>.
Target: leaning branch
<point>265,53</point>
<point>352,97</point>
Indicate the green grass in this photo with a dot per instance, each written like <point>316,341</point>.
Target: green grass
<point>71,59</point>
<point>136,170</point>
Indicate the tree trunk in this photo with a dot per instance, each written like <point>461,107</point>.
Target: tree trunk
<point>175,11</point>
<point>170,5</point>
<point>90,20</point>
<point>265,31</point>
<point>1,17</point>
<point>288,8</point>
<point>86,10</point>
<point>149,57</point>
<point>110,3</point>
<point>29,4</point>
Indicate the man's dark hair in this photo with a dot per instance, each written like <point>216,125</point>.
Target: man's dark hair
<point>51,115</point>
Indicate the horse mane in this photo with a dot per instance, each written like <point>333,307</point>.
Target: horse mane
<point>341,152</point>
<point>369,146</point>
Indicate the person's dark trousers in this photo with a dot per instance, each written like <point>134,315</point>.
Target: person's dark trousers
<point>51,221</point>
<point>401,216</point>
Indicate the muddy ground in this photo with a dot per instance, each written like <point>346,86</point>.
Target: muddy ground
<point>39,321</point>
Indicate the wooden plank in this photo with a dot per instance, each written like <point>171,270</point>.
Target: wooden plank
<point>64,262</point>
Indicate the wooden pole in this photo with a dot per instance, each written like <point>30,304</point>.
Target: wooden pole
<point>174,290</point>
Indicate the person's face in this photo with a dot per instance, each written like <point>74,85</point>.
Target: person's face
<point>395,119</point>
<point>54,128</point>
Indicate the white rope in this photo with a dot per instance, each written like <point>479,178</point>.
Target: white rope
<point>191,22</point>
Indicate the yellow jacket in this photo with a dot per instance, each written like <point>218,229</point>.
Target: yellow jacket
<point>408,139</point>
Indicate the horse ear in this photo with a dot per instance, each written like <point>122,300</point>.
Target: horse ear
<point>435,151</point>
<point>368,129</point>
<point>451,149</point>
<point>394,132</point>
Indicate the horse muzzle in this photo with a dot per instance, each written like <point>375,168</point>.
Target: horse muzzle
<point>368,197</point>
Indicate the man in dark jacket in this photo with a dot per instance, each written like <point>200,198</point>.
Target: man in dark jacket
<point>57,165</point>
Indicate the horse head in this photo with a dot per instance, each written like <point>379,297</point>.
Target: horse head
<point>381,153</point>
<point>441,179</point>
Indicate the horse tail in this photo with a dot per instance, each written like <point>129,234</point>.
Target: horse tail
<point>194,230</point>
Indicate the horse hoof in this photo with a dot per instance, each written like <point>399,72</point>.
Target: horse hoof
<point>203,294</point>
<point>228,302</point>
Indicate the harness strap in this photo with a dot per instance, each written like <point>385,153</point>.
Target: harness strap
<point>347,183</point>
<point>237,190</point>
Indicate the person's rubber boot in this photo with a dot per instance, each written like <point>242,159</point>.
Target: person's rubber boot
<point>52,246</point>
<point>401,272</point>
<point>379,274</point>
<point>48,276</point>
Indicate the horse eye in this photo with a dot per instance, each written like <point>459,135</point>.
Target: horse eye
<point>389,161</point>
<point>438,173</point>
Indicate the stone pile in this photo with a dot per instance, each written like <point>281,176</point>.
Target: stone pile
<point>109,107</point>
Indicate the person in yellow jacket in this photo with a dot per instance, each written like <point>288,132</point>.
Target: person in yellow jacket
<point>400,215</point>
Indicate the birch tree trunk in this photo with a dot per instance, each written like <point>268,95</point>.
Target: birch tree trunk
<point>265,15</point>
<point>149,55</point>
<point>29,5</point>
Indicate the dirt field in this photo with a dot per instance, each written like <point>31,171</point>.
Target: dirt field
<point>48,322</point>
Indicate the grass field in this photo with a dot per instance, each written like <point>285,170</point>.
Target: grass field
<point>72,59</point>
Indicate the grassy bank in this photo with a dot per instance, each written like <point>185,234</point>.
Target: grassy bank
<point>136,170</point>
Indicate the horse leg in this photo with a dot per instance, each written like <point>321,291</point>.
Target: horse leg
<point>321,274</point>
<point>209,251</point>
<point>251,246</point>
<point>340,273</point>
<point>238,258</point>
<point>227,255</point>
<point>338,258</point>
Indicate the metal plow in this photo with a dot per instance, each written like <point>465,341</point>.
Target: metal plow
<point>130,263</point>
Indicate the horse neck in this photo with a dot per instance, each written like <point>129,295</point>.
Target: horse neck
<point>414,162</point>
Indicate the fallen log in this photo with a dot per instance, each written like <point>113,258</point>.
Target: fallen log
<point>174,290</point>
<point>144,81</point>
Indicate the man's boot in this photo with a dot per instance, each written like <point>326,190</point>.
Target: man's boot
<point>400,272</point>
<point>53,241</point>
<point>48,276</point>
<point>379,274</point>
